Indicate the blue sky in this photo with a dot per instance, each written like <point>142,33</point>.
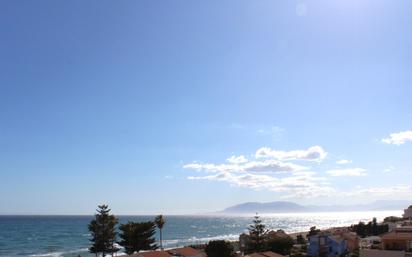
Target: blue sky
<point>140,104</point>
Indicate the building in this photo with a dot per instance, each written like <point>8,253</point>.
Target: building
<point>408,213</point>
<point>351,238</point>
<point>326,245</point>
<point>399,239</point>
<point>371,242</point>
<point>186,252</point>
<point>152,254</point>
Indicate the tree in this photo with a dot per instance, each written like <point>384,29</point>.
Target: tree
<point>257,232</point>
<point>160,222</point>
<point>219,248</point>
<point>300,239</point>
<point>375,231</point>
<point>103,231</point>
<point>372,228</point>
<point>137,236</point>
<point>313,232</point>
<point>281,245</point>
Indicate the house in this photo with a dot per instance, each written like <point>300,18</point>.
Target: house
<point>408,213</point>
<point>326,245</point>
<point>186,252</point>
<point>370,242</point>
<point>264,254</point>
<point>152,254</point>
<point>276,234</point>
<point>351,238</point>
<point>398,239</point>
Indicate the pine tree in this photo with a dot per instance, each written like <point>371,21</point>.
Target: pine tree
<point>137,236</point>
<point>257,232</point>
<point>160,222</point>
<point>103,231</point>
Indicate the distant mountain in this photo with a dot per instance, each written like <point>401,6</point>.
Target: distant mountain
<point>251,207</point>
<point>284,207</point>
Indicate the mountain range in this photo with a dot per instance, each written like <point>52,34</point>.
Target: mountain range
<point>285,207</point>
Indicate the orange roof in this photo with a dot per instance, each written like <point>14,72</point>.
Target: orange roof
<point>153,254</point>
<point>185,251</point>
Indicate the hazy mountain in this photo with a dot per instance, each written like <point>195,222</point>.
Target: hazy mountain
<point>283,207</point>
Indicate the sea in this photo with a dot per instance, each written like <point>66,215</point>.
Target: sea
<point>68,236</point>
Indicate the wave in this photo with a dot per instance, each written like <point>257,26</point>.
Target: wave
<point>60,253</point>
<point>197,240</point>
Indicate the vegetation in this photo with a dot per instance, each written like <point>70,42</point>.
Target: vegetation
<point>137,236</point>
<point>300,239</point>
<point>370,229</point>
<point>103,231</point>
<point>312,232</point>
<point>160,222</point>
<point>219,248</point>
<point>281,245</point>
<point>393,219</point>
<point>257,232</point>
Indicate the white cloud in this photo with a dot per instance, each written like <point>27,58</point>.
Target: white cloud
<point>271,173</point>
<point>251,166</point>
<point>398,138</point>
<point>237,159</point>
<point>302,185</point>
<point>343,162</point>
<point>353,172</point>
<point>314,153</point>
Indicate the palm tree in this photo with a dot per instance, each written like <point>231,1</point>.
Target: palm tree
<point>160,222</point>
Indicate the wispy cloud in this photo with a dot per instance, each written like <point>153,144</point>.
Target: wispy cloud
<point>237,159</point>
<point>389,169</point>
<point>399,138</point>
<point>250,166</point>
<point>352,172</point>
<point>342,162</point>
<point>270,173</point>
<point>302,184</point>
<point>314,153</point>
<point>275,132</point>
<point>380,191</point>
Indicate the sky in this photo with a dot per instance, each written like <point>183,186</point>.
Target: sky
<point>183,107</point>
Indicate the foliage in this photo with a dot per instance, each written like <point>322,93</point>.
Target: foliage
<point>300,239</point>
<point>370,229</point>
<point>160,222</point>
<point>137,236</point>
<point>312,232</point>
<point>219,248</point>
<point>257,232</point>
<point>103,231</point>
<point>281,245</point>
<point>393,219</point>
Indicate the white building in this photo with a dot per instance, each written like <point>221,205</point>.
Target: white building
<point>408,213</point>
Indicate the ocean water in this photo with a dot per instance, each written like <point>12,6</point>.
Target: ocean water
<point>68,236</point>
